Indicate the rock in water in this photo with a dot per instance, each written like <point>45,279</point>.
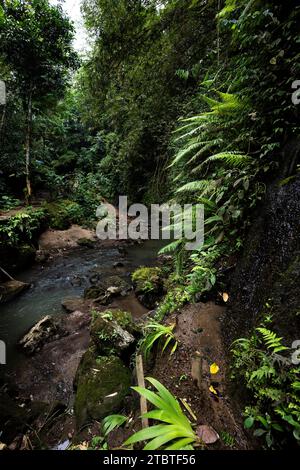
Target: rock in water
<point>71,304</point>
<point>105,289</point>
<point>102,384</point>
<point>10,289</point>
<point>47,328</point>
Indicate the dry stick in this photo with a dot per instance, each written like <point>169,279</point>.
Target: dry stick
<point>141,383</point>
<point>6,274</point>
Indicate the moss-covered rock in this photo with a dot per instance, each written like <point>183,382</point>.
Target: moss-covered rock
<point>63,213</point>
<point>102,384</point>
<point>125,320</point>
<point>109,337</point>
<point>107,288</point>
<point>148,285</point>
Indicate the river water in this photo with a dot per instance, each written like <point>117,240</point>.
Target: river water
<point>66,276</point>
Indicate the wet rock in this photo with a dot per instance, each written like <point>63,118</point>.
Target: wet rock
<point>148,286</point>
<point>47,328</point>
<point>76,321</point>
<point>76,281</point>
<point>122,250</point>
<point>101,386</point>
<point>125,320</point>
<point>94,292</point>
<point>118,264</point>
<point>95,278</point>
<point>11,289</point>
<point>107,288</point>
<point>41,256</point>
<point>109,337</point>
<point>117,282</point>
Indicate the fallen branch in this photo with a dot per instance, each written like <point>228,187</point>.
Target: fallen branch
<point>6,274</point>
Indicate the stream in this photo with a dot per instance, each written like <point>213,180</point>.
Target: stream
<point>61,277</point>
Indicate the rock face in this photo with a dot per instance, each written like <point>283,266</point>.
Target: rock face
<point>102,384</point>
<point>109,337</point>
<point>268,270</point>
<point>10,289</point>
<point>43,331</point>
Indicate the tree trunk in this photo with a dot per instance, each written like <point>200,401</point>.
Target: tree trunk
<point>2,121</point>
<point>27,149</point>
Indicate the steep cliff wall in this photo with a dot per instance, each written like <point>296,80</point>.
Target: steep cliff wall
<point>269,269</point>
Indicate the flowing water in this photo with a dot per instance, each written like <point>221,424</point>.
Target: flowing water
<point>66,276</point>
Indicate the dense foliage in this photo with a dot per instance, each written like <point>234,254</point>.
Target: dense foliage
<point>182,100</point>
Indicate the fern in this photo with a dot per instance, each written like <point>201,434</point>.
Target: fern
<point>263,373</point>
<point>232,159</point>
<point>171,247</point>
<point>201,185</point>
<point>271,340</point>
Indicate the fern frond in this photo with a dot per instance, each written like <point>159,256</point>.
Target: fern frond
<point>232,159</point>
<point>204,149</point>
<point>200,185</point>
<point>271,340</point>
<point>180,155</point>
<point>264,372</point>
<point>190,133</point>
<point>171,247</point>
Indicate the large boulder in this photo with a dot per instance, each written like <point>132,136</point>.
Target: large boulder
<point>109,337</point>
<point>43,331</point>
<point>10,289</point>
<point>101,385</point>
<point>148,285</point>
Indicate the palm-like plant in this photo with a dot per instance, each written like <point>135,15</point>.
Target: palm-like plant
<point>156,332</point>
<point>112,422</point>
<point>174,431</point>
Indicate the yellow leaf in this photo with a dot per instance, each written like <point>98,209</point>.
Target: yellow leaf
<point>225,297</point>
<point>213,390</point>
<point>214,368</point>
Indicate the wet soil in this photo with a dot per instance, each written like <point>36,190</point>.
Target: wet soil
<point>199,333</point>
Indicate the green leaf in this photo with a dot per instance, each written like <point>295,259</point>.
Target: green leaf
<point>248,423</point>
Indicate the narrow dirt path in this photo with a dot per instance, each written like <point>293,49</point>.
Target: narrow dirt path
<point>187,372</point>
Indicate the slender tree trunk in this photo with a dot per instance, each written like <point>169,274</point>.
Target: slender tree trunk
<point>218,34</point>
<point>28,148</point>
<point>2,121</point>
